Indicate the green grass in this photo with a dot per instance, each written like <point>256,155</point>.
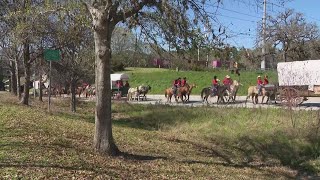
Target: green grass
<point>160,79</point>
<point>162,142</point>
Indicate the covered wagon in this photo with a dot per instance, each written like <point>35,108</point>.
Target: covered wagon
<point>117,90</point>
<point>298,80</point>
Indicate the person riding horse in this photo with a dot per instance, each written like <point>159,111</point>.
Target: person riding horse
<point>227,81</point>
<point>259,84</point>
<point>183,82</point>
<point>176,85</point>
<point>215,84</point>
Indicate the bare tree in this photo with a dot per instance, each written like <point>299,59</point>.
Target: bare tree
<point>290,32</point>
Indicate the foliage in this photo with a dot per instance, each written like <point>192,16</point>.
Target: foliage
<point>159,142</point>
<point>289,32</point>
<point>117,66</point>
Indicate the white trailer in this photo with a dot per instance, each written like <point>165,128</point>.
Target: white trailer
<point>298,80</point>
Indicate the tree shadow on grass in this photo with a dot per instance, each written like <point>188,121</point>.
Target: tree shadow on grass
<point>273,151</point>
<point>156,117</point>
<point>38,149</point>
<point>129,156</point>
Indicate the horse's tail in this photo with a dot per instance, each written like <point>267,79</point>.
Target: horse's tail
<point>165,93</point>
<point>202,92</point>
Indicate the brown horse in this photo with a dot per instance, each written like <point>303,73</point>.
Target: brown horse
<point>168,93</point>
<point>187,91</point>
<point>207,92</point>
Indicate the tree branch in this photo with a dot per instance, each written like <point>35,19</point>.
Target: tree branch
<point>124,15</point>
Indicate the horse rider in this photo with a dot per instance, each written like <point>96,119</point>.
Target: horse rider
<point>215,84</point>
<point>227,81</point>
<point>183,82</point>
<point>176,85</point>
<point>259,84</point>
<point>127,84</point>
<point>119,84</point>
<point>265,80</point>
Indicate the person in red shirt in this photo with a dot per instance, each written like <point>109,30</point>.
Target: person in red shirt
<point>179,82</point>
<point>259,84</point>
<point>176,85</point>
<point>215,84</point>
<point>215,81</point>
<point>227,81</point>
<point>119,84</point>
<point>183,82</point>
<point>265,80</point>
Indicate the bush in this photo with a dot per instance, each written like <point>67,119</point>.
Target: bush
<point>117,66</point>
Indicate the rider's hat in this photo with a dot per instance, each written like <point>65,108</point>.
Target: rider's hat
<point>227,76</point>
<point>259,76</point>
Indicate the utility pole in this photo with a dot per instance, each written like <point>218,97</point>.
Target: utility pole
<point>263,62</point>
<point>206,36</point>
<point>198,52</point>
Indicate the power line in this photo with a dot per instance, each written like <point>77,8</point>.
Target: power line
<point>241,19</point>
<point>280,6</point>
<point>234,11</point>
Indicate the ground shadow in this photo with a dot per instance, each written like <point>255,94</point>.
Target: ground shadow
<point>155,117</point>
<point>256,152</point>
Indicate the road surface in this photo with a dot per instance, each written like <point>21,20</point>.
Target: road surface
<point>313,103</point>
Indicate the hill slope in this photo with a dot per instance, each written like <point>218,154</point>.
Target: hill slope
<point>160,79</point>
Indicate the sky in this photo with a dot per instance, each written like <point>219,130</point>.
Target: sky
<point>241,18</point>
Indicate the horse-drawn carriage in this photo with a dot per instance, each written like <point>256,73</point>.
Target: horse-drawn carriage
<point>118,91</point>
<point>298,80</point>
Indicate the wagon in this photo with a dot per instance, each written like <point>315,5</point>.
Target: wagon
<point>118,92</point>
<point>298,80</point>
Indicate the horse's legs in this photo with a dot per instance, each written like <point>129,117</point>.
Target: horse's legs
<point>262,99</point>
<point>257,98</point>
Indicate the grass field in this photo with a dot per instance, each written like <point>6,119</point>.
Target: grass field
<point>160,79</point>
<point>159,142</point>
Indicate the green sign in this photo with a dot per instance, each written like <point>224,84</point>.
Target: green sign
<point>51,55</point>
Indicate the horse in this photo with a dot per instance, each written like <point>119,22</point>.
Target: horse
<point>253,92</point>
<point>80,90</point>
<point>207,91</point>
<point>168,93</point>
<point>232,92</point>
<point>143,90</point>
<point>90,91</point>
<point>133,94</point>
<point>188,91</point>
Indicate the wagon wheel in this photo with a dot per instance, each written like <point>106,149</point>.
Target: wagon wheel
<point>290,97</point>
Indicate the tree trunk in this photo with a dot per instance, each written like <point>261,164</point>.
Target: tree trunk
<point>18,77</point>
<point>73,95</point>
<point>27,74</point>
<point>40,87</point>
<point>103,139</point>
<point>13,79</point>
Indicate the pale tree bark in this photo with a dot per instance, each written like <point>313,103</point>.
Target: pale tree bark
<point>27,73</point>
<point>13,79</point>
<point>103,139</point>
<point>16,63</point>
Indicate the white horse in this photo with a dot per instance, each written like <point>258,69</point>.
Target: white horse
<point>133,94</point>
<point>233,90</point>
